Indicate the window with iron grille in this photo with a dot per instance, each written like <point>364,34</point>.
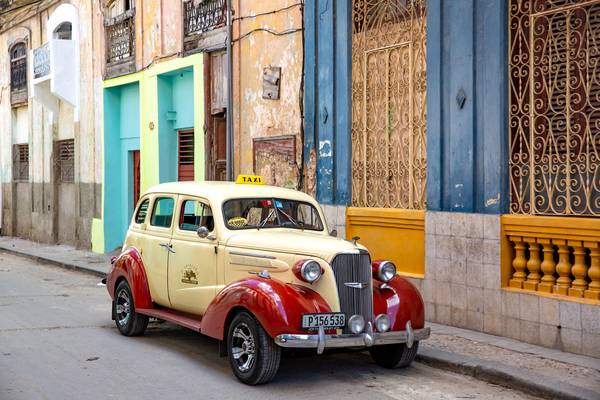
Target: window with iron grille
<point>21,162</point>
<point>65,160</point>
<point>18,73</point>
<point>554,121</point>
<point>186,156</point>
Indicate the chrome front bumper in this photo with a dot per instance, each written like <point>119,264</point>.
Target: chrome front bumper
<point>321,341</point>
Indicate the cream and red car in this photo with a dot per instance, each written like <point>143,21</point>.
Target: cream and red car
<point>255,267</point>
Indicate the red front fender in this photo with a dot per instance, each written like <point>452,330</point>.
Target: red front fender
<point>401,301</point>
<point>276,305</point>
<point>129,265</point>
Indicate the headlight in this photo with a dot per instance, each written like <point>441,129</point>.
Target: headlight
<point>356,324</point>
<point>308,270</point>
<point>387,270</point>
<point>382,323</point>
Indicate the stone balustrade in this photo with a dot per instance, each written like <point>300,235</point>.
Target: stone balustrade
<point>553,255</point>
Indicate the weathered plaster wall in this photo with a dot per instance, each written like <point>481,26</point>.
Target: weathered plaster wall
<point>41,209</point>
<point>253,116</point>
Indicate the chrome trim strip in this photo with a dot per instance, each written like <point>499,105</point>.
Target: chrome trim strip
<point>235,253</point>
<point>308,341</point>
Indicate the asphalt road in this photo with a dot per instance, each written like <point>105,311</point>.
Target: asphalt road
<point>57,341</point>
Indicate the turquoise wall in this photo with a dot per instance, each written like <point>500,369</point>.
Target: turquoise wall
<point>175,112</point>
<point>121,136</point>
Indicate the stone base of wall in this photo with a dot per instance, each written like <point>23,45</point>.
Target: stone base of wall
<point>51,213</point>
<point>336,219</point>
<point>463,288</point>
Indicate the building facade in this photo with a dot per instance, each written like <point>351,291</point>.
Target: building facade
<point>464,133</point>
<point>49,133</point>
<point>171,113</point>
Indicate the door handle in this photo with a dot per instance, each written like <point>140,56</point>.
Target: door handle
<point>167,246</point>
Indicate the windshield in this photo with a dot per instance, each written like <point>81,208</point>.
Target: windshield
<point>271,213</point>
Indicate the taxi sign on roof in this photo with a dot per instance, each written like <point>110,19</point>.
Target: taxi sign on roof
<point>250,179</point>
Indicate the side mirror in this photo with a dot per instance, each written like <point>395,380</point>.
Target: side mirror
<point>333,233</point>
<point>205,234</point>
<point>202,232</point>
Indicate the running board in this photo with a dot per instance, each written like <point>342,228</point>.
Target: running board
<point>175,317</point>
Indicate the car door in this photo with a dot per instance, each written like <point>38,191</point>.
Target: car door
<point>156,246</point>
<point>193,261</point>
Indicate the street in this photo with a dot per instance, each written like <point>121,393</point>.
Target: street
<point>57,341</point>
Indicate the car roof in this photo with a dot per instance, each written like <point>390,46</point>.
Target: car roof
<point>221,191</point>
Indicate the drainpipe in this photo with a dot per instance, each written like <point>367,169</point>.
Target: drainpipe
<point>229,141</point>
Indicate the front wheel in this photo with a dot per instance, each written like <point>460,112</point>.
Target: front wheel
<point>394,355</point>
<point>253,355</point>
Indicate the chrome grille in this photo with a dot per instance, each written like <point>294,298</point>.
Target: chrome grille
<point>349,268</point>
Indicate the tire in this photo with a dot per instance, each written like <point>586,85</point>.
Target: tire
<point>253,355</point>
<point>127,320</point>
<point>394,355</point>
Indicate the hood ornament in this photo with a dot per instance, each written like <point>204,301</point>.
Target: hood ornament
<point>355,239</point>
<point>356,285</point>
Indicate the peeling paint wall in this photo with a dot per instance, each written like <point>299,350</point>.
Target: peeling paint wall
<point>254,117</point>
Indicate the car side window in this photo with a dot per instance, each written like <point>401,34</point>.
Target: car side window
<point>140,217</point>
<point>162,213</point>
<point>195,214</point>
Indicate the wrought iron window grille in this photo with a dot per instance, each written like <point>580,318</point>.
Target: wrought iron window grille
<point>21,162</point>
<point>18,73</point>
<point>120,37</point>
<point>200,17</point>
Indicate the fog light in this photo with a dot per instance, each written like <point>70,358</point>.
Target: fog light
<point>382,323</point>
<point>356,323</point>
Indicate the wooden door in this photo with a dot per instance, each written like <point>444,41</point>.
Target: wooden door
<point>136,176</point>
<point>185,156</point>
<point>215,93</point>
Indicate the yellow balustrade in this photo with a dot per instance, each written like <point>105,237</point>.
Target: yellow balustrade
<point>552,255</point>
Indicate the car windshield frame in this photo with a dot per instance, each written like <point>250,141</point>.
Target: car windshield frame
<point>278,212</point>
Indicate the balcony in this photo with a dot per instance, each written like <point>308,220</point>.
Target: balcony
<point>120,44</point>
<point>55,74</point>
<point>202,25</point>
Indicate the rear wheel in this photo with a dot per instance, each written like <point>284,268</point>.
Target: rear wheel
<point>394,355</point>
<point>128,321</point>
<point>253,355</point>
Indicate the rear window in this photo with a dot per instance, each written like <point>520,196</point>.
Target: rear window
<point>140,217</point>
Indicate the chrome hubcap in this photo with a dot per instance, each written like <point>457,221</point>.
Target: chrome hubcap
<point>123,307</point>
<point>243,348</point>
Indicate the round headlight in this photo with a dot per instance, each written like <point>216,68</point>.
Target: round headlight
<point>311,271</point>
<point>356,324</point>
<point>387,270</point>
<point>382,323</point>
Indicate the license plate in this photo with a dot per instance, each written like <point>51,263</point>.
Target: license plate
<point>325,320</point>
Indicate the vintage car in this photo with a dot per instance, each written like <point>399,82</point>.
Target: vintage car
<point>255,267</point>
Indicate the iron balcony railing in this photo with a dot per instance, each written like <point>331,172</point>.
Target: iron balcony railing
<point>120,38</point>
<point>203,16</point>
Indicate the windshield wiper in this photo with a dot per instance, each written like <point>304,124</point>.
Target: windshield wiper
<point>264,221</point>
<point>292,220</point>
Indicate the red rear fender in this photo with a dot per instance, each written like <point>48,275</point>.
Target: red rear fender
<point>129,265</point>
<point>276,305</point>
<point>401,301</point>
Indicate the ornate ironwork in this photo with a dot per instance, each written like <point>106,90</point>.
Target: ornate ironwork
<point>41,61</point>
<point>202,16</point>
<point>389,103</point>
<point>120,37</point>
<point>554,126</point>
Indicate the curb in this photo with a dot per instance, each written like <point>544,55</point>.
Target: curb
<point>58,263</point>
<point>508,376</point>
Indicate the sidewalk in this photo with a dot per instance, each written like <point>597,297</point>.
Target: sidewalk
<point>507,362</point>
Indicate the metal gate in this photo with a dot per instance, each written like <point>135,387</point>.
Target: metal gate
<point>388,103</point>
<point>554,124</point>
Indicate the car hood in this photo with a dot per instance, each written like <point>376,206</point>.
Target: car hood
<point>292,241</point>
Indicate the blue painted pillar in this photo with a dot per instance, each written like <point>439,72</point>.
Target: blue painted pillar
<point>467,131</point>
<point>327,97</point>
